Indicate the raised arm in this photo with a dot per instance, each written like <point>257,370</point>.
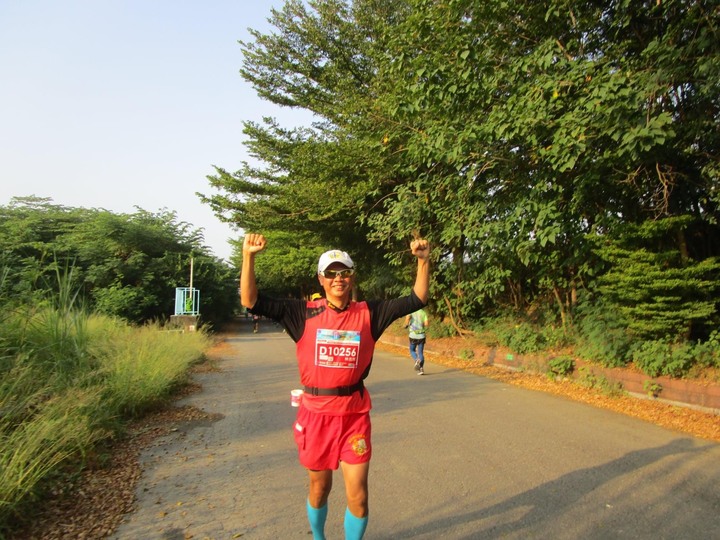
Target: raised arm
<point>421,249</point>
<point>252,244</point>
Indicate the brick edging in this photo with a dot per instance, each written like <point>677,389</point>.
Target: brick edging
<point>704,396</point>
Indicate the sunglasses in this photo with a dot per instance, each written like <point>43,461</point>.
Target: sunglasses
<point>332,274</point>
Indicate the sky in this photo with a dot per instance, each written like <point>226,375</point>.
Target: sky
<point>118,104</point>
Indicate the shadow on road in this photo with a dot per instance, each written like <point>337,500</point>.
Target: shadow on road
<point>530,513</point>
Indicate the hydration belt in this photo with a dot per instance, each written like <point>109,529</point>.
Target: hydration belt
<point>337,391</point>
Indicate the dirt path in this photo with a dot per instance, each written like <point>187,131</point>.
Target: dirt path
<point>456,456</point>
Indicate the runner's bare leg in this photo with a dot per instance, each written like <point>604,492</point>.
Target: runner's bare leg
<point>356,487</point>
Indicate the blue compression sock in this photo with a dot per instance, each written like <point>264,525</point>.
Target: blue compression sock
<point>354,526</point>
<point>317,517</point>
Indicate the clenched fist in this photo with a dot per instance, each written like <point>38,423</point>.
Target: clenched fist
<point>253,243</point>
<point>420,248</point>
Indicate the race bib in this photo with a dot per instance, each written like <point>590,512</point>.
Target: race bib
<point>337,348</point>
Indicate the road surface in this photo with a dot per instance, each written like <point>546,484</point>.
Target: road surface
<point>456,456</point>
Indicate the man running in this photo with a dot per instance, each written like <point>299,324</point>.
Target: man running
<point>416,323</point>
<point>335,339</point>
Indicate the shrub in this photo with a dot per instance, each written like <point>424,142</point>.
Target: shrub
<point>707,353</point>
<point>57,341</point>
<point>521,337</point>
<point>561,366</point>
<point>662,357</point>
<point>440,330</point>
<point>553,336</point>
<point>659,290</point>
<point>588,379</point>
<point>653,389</point>
<point>602,335</point>
<point>484,335</point>
<point>466,354</point>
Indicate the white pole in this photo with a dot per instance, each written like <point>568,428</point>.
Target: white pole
<point>191,275</point>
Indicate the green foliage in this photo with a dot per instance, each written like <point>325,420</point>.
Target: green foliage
<point>602,334</point>
<point>652,281</point>
<point>288,266</point>
<point>466,354</point>
<point>127,302</point>
<point>554,336</point>
<point>561,366</point>
<point>518,137</point>
<point>121,265</point>
<point>588,379</point>
<point>663,357</point>
<point>652,388</point>
<point>316,181</point>
<point>707,353</point>
<point>439,330</point>
<point>520,337</point>
<point>52,331</point>
<point>602,337</point>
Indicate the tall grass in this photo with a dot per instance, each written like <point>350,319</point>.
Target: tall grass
<point>141,366</point>
<point>34,448</point>
<point>68,380</point>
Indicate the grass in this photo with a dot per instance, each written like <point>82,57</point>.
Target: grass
<point>36,447</point>
<point>589,379</point>
<point>143,366</point>
<point>69,380</point>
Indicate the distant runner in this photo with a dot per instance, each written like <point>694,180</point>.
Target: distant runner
<point>416,323</point>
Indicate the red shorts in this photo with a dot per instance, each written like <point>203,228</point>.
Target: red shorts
<point>324,441</point>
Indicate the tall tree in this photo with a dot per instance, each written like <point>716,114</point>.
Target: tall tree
<point>324,179</point>
<point>513,134</point>
<point>544,127</point>
<point>124,264</point>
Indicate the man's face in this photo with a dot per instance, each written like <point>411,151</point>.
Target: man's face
<point>337,281</point>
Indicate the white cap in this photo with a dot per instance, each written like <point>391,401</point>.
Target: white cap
<point>334,256</point>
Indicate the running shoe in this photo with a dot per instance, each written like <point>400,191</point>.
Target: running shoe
<point>417,365</point>
<point>421,371</point>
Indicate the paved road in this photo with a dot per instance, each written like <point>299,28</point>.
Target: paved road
<point>456,456</point>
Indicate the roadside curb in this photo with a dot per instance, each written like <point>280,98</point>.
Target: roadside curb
<point>702,396</point>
